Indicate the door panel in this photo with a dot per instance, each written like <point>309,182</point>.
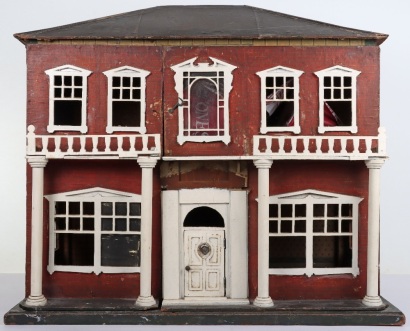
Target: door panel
<point>204,262</point>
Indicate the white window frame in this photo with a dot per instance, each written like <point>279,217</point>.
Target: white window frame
<point>68,70</point>
<point>337,71</point>
<point>126,71</point>
<point>96,195</point>
<point>309,198</point>
<point>280,71</point>
<point>189,67</point>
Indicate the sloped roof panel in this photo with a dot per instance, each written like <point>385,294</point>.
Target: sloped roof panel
<point>194,22</point>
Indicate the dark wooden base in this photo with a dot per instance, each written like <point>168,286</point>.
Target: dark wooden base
<point>123,312</point>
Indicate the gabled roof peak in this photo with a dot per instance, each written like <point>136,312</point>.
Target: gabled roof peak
<point>199,22</point>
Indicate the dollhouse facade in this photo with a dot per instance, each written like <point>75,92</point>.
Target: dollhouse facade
<point>203,155</point>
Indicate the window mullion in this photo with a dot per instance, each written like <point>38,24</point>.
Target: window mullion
<point>97,235</point>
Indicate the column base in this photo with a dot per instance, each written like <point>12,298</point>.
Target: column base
<point>146,301</point>
<point>36,301</point>
<point>263,302</point>
<point>373,301</point>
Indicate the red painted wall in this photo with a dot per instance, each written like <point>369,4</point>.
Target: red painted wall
<point>339,177</point>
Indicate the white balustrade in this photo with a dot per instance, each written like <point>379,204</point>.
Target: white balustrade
<point>320,147</point>
<point>92,146</point>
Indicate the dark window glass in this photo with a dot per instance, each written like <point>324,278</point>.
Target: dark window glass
<point>88,224</point>
<point>273,226</point>
<point>60,207</point>
<point>74,208</point>
<point>135,209</point>
<point>74,249</point>
<point>120,224</point>
<point>135,224</point>
<point>287,252</point>
<point>60,223</point>
<point>106,224</point>
<point>106,208</point>
<point>120,250</point>
<point>332,252</point>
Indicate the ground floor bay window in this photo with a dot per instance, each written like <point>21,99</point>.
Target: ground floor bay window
<point>95,230</point>
<point>313,232</point>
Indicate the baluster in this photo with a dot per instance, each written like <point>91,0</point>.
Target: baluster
<point>107,140</point>
<point>133,141</point>
<point>70,143</point>
<point>305,141</point>
<point>318,142</point>
<point>119,142</point>
<point>44,143</point>
<point>94,140</point>
<point>356,144</point>
<point>268,141</point>
<point>381,141</point>
<point>57,142</point>
<point>157,143</point>
<point>368,141</point>
<point>281,143</point>
<point>343,145</point>
<point>144,143</point>
<point>82,144</point>
<point>293,144</point>
<point>331,142</point>
<point>256,143</point>
<point>31,140</point>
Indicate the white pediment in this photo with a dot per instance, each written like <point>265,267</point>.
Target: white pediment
<point>94,192</point>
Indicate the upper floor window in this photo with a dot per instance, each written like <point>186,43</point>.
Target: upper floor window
<point>337,99</point>
<point>280,100</point>
<point>313,232</point>
<point>68,99</point>
<point>204,90</point>
<point>95,230</point>
<point>126,99</point>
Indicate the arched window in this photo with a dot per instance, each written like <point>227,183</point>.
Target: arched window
<point>204,217</point>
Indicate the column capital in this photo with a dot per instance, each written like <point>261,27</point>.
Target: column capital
<point>263,163</point>
<point>37,161</point>
<point>147,162</point>
<point>374,163</point>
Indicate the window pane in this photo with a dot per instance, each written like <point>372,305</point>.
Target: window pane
<point>273,227</point>
<point>347,210</point>
<point>88,208</point>
<point>347,226</point>
<point>74,249</point>
<point>286,227</point>
<point>120,224</point>
<point>74,223</point>
<point>67,112</point>
<point>136,82</point>
<point>300,226</point>
<point>273,210</point>
<point>286,211</point>
<point>318,226</point>
<point>287,252</point>
<point>332,226</point>
<point>106,224</point>
<point>60,223</point>
<point>74,208</point>
<point>318,210</point>
<point>60,207</point>
<point>332,252</point>
<point>135,224</point>
<point>135,209</point>
<point>120,250</point>
<point>58,80</point>
<point>126,81</point>
<point>332,210</point>
<point>106,208</point>
<point>116,81</point>
<point>300,210</point>
<point>88,224</point>
<point>78,81</point>
<point>121,208</point>
<point>126,113</point>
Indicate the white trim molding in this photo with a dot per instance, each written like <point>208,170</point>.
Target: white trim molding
<point>219,75</point>
<point>337,85</point>
<point>311,214</point>
<point>68,85</point>
<point>126,85</point>
<point>279,85</point>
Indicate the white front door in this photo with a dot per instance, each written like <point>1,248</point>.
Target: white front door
<point>204,262</point>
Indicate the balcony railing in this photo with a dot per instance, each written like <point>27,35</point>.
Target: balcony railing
<point>92,146</point>
<point>321,147</point>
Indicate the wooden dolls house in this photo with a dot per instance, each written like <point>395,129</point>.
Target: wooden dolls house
<point>203,165</point>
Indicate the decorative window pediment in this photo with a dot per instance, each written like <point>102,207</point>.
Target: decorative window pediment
<point>337,99</point>
<point>203,89</point>
<point>68,99</point>
<point>126,99</point>
<point>280,99</point>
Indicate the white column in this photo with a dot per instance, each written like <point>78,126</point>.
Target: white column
<point>263,299</point>
<point>36,297</point>
<point>372,297</point>
<point>145,298</point>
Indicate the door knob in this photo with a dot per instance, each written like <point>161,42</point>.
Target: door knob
<point>187,268</point>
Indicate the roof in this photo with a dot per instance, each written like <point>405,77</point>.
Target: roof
<point>199,22</point>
